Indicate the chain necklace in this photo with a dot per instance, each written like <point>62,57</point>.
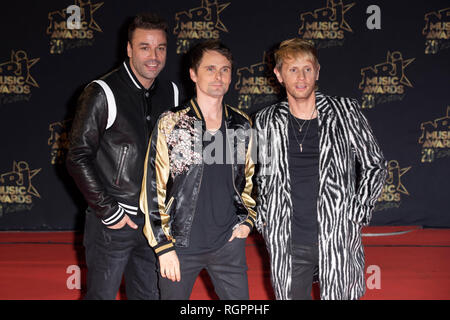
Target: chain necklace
<point>301,127</point>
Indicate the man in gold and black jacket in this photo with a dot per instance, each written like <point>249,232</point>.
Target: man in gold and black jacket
<point>196,191</point>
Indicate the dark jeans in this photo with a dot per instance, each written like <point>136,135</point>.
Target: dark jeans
<point>227,268</point>
<point>110,254</point>
<point>305,260</point>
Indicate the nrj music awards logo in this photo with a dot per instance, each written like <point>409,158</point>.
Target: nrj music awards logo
<point>257,85</point>
<point>16,189</point>
<point>73,26</point>
<point>199,23</point>
<point>59,140</point>
<point>435,138</point>
<point>326,26</point>
<point>394,188</point>
<point>386,81</point>
<point>437,31</point>
<point>16,81</point>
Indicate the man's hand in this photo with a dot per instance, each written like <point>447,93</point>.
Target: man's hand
<point>170,266</point>
<point>240,232</point>
<point>125,220</point>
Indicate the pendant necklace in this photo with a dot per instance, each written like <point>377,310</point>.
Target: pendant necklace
<point>301,127</point>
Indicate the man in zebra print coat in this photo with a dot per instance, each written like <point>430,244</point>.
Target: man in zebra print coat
<point>320,174</point>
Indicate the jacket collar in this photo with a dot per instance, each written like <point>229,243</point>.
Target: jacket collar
<point>322,103</point>
<point>133,80</point>
<point>198,113</point>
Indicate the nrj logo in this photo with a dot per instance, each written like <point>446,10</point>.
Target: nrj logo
<point>257,84</point>
<point>15,77</point>
<point>435,138</point>
<point>437,31</point>
<point>326,26</point>
<point>59,140</point>
<point>199,23</point>
<point>73,26</point>
<point>16,189</point>
<point>394,188</point>
<point>386,81</point>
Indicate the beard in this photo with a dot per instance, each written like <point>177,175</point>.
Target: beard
<point>304,94</point>
<point>217,91</point>
<point>149,69</point>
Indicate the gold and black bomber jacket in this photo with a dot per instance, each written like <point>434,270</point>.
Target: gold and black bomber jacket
<point>173,173</point>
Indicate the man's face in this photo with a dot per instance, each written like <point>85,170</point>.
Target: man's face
<point>299,76</point>
<point>147,53</point>
<point>213,75</point>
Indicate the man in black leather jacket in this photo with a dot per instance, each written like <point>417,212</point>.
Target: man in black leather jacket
<point>197,185</point>
<point>108,141</point>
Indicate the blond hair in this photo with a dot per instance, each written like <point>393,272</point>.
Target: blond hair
<point>293,48</point>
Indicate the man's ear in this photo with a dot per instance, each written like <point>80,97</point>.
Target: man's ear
<point>129,50</point>
<point>278,75</point>
<point>318,71</point>
<point>193,75</point>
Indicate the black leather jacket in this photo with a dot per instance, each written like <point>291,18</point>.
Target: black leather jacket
<point>108,144</point>
<point>173,174</point>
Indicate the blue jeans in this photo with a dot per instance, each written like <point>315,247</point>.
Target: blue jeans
<point>227,268</point>
<point>111,254</point>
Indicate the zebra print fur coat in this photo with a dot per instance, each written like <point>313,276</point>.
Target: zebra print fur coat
<point>346,196</point>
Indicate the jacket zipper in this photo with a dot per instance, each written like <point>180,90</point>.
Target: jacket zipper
<point>199,188</point>
<point>169,204</point>
<point>121,164</point>
<point>232,171</point>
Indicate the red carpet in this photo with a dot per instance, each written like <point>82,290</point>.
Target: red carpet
<point>413,265</point>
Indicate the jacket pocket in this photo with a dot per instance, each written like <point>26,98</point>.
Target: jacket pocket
<point>121,165</point>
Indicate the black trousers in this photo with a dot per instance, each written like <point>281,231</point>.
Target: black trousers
<point>227,268</point>
<point>305,260</point>
<point>111,254</point>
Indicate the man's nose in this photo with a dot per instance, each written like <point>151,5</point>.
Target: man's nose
<point>152,54</point>
<point>218,75</point>
<point>301,75</point>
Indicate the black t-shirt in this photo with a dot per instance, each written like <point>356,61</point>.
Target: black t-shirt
<point>215,214</point>
<point>304,174</point>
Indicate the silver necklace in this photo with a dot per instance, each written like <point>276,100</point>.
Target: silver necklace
<point>301,127</point>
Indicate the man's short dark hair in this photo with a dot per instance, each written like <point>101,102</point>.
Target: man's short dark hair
<point>147,21</point>
<point>197,51</point>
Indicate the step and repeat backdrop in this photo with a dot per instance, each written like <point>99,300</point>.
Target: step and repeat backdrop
<point>393,56</point>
